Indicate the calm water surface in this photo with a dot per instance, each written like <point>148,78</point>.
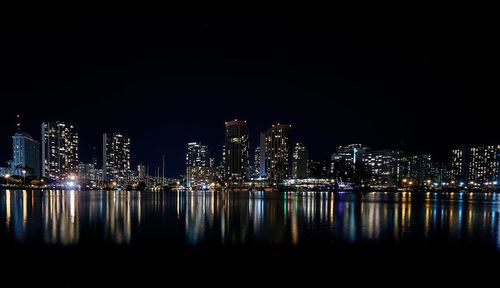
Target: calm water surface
<point>73,218</point>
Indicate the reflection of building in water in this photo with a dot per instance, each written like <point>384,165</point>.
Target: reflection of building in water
<point>21,213</point>
<point>118,215</point>
<point>60,217</point>
<point>196,213</point>
<point>379,220</point>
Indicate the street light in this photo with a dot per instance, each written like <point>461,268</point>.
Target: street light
<point>24,176</point>
<point>7,176</point>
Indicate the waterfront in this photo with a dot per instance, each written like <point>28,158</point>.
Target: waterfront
<point>293,218</point>
<point>136,229</point>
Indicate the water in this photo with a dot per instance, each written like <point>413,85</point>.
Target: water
<point>69,228</point>
<point>130,217</point>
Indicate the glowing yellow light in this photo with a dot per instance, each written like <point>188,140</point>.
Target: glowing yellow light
<point>404,180</point>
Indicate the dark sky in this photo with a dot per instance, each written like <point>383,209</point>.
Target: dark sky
<point>422,82</point>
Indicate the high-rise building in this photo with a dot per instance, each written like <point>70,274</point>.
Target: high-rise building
<point>278,153</point>
<point>346,162</point>
<point>475,165</point>
<point>262,156</point>
<point>256,161</point>
<point>59,150</point>
<point>318,168</point>
<point>87,174</point>
<point>381,167</point>
<point>420,168</point>
<point>484,164</point>
<point>116,157</point>
<point>199,172</point>
<point>300,159</point>
<point>141,172</point>
<point>26,155</point>
<point>459,165</point>
<point>236,149</point>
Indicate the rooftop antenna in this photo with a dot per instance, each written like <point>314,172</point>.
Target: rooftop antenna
<point>18,122</point>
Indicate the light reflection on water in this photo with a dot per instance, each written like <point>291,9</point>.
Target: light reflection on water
<point>129,217</point>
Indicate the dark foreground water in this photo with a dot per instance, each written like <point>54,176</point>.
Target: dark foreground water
<point>73,238</point>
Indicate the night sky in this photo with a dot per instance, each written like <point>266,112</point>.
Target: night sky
<point>423,83</point>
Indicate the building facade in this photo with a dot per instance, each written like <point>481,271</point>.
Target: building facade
<point>59,150</point>
<point>381,167</point>
<point>278,153</point>
<point>26,155</point>
<point>475,165</point>
<point>199,166</point>
<point>420,169</point>
<point>116,158</point>
<point>236,149</point>
<point>300,159</point>
<point>256,163</point>
<point>346,162</point>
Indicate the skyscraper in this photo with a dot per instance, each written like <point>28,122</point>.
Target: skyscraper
<point>460,161</point>
<point>198,165</point>
<point>484,164</point>
<point>420,168</point>
<point>300,159</point>
<point>380,166</point>
<point>141,172</point>
<point>26,155</point>
<point>345,162</point>
<point>116,157</point>
<point>256,163</point>
<point>236,146</point>
<point>262,156</point>
<point>278,153</point>
<point>59,150</point>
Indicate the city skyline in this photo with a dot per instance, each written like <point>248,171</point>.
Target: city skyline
<point>276,162</point>
<point>369,84</point>
<point>448,159</point>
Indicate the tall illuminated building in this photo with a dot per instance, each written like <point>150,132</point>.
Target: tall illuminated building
<point>475,165</point>
<point>278,153</point>
<point>300,159</point>
<point>484,162</point>
<point>59,150</point>
<point>345,162</point>
<point>236,149</point>
<point>380,166</point>
<point>460,161</point>
<point>141,172</point>
<point>26,154</point>
<point>256,163</point>
<point>420,168</point>
<point>199,166</point>
<point>116,157</point>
